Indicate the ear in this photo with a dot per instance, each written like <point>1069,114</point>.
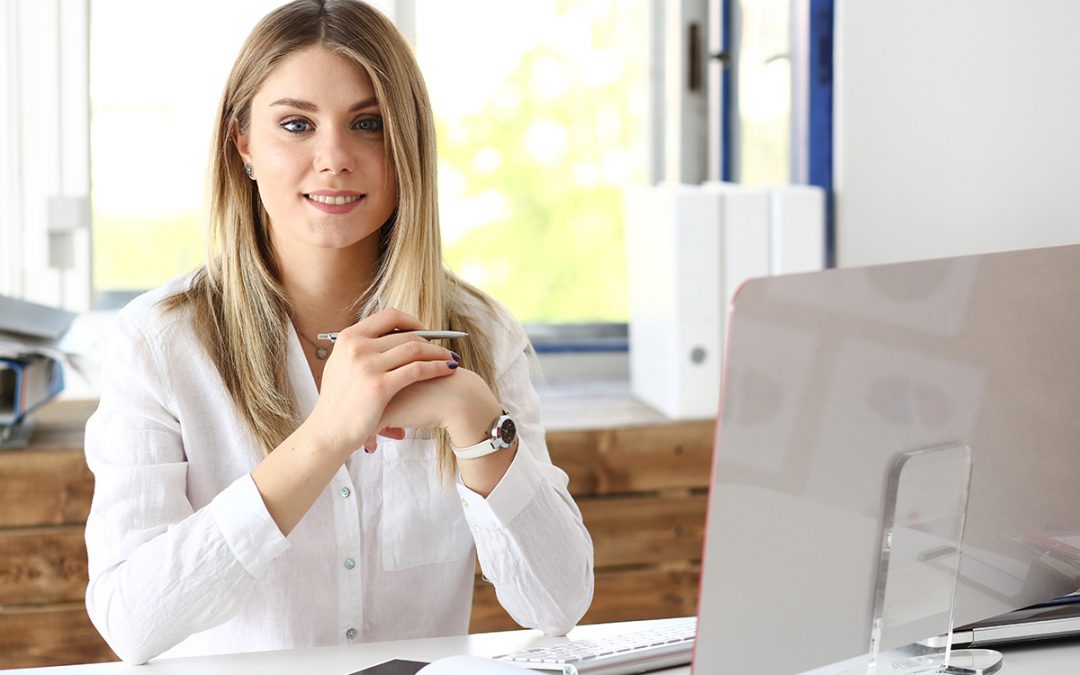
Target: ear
<point>240,141</point>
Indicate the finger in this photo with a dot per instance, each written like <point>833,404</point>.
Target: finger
<point>417,371</point>
<point>371,444</point>
<point>356,344</point>
<point>418,351</point>
<point>385,321</point>
<point>396,433</point>
<point>391,340</point>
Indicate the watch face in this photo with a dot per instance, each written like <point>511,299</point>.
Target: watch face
<point>507,432</point>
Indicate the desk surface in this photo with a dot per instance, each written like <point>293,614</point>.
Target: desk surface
<point>1059,657</point>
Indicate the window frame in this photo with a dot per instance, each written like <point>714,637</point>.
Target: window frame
<point>45,222</point>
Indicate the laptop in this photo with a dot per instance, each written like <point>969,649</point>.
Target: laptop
<point>891,439</point>
<point>1057,618</point>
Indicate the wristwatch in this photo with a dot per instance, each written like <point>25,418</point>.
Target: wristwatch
<point>502,435</point>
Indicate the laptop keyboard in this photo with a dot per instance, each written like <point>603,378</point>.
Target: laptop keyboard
<point>622,654</point>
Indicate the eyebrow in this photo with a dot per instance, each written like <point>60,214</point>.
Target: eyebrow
<point>308,106</point>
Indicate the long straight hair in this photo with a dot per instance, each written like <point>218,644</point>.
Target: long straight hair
<point>238,303</point>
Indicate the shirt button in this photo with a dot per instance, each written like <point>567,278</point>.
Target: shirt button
<point>349,563</point>
<point>345,492</point>
<point>351,634</point>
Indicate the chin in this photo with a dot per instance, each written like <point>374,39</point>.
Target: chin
<point>342,239</point>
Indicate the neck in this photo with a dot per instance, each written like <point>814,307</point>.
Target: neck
<point>323,285</point>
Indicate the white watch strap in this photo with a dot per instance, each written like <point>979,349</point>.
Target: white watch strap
<point>484,447</point>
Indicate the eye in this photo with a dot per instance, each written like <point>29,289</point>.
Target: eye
<point>296,125</point>
<point>369,124</point>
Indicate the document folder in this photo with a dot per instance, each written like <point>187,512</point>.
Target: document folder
<point>19,317</point>
<point>27,382</point>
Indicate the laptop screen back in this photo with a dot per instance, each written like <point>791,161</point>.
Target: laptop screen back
<point>829,377</point>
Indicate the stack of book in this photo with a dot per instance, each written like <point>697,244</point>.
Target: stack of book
<point>31,368</point>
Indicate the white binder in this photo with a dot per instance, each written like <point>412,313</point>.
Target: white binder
<point>689,249</point>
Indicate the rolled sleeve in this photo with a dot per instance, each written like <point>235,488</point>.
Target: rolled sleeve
<point>516,489</point>
<point>247,527</point>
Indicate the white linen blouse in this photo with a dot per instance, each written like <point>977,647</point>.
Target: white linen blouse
<point>184,558</point>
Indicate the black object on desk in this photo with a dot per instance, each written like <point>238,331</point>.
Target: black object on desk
<point>395,667</point>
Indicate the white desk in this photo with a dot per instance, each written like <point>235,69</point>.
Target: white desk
<point>1060,657</point>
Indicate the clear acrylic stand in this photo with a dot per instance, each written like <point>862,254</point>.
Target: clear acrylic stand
<point>919,568</point>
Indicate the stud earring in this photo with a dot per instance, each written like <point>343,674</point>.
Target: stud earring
<point>250,171</point>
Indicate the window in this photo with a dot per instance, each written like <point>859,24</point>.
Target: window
<point>763,139</point>
<point>539,129</point>
<point>152,95</point>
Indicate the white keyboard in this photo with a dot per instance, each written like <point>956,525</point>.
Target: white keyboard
<point>624,654</point>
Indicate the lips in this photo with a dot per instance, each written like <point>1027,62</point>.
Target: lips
<point>329,199</point>
<point>333,201</point>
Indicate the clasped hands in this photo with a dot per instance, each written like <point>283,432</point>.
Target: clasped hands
<point>379,381</point>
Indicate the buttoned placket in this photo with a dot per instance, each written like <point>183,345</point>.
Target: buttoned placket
<point>349,549</point>
<point>345,507</point>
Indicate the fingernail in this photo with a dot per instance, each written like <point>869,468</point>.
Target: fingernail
<point>457,357</point>
<point>452,364</point>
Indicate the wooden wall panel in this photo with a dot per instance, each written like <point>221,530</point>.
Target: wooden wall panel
<point>637,459</point>
<point>44,487</point>
<point>50,636</point>
<point>575,453</point>
<point>645,530</point>
<point>42,565</point>
<point>656,458</point>
<point>644,594</point>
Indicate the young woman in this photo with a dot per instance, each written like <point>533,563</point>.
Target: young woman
<point>232,509</point>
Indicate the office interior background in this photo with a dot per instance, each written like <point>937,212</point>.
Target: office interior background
<point>937,129</point>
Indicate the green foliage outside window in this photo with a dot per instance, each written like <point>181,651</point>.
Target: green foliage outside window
<point>531,184</point>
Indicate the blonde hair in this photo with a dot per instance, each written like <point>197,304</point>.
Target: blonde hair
<point>237,301</point>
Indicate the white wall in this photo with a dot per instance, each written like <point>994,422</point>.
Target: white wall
<point>957,127</point>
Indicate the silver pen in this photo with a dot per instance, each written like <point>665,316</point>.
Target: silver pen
<point>429,334</point>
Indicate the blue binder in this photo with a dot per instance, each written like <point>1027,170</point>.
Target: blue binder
<point>26,382</point>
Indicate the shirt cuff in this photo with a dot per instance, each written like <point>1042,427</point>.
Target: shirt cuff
<point>247,527</point>
<point>516,489</point>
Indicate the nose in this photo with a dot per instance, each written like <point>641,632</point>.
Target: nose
<point>332,153</point>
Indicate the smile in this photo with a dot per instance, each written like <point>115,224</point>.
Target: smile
<point>334,201</point>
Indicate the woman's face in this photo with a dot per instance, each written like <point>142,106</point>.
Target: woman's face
<point>315,140</point>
